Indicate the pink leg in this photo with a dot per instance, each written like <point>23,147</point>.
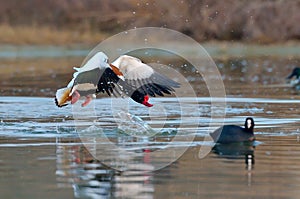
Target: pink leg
<point>88,99</point>
<point>75,97</point>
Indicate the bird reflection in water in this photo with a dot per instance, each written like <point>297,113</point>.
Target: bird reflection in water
<point>77,168</point>
<point>238,150</point>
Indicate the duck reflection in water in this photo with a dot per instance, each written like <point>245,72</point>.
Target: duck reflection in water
<point>89,178</point>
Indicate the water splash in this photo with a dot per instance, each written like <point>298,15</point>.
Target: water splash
<point>133,125</point>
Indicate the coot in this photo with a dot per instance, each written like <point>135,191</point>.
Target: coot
<point>233,133</point>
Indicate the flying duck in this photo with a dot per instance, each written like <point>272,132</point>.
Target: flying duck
<point>233,133</point>
<point>126,76</point>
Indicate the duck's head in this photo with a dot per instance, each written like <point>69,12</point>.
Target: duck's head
<point>295,73</point>
<point>249,123</point>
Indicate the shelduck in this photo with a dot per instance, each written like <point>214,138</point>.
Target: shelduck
<point>126,76</point>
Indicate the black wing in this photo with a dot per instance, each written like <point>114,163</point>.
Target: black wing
<point>156,84</point>
<point>96,81</point>
<point>106,81</point>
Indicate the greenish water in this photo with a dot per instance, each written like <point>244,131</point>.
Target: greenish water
<point>215,50</point>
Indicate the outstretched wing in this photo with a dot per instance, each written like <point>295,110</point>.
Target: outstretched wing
<point>143,78</point>
<point>95,81</point>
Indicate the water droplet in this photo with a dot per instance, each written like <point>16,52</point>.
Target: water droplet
<point>270,70</point>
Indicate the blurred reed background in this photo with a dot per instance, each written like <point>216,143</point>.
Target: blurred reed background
<point>66,22</point>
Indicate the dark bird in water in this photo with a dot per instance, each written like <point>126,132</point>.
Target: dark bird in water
<point>233,133</point>
<point>126,76</point>
<point>295,82</point>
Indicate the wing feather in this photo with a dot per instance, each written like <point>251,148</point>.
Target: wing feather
<point>142,77</point>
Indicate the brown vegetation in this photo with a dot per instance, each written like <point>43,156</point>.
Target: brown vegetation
<point>91,20</point>
<point>22,35</point>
